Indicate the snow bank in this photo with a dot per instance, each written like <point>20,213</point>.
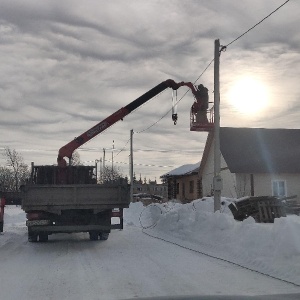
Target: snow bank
<point>273,249</point>
<point>14,216</point>
<point>132,214</point>
<point>14,225</point>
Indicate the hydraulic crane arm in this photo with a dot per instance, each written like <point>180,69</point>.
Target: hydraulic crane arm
<point>68,149</point>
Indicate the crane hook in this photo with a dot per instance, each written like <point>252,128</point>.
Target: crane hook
<point>174,107</point>
<point>174,118</point>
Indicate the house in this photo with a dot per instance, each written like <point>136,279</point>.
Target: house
<point>150,187</point>
<point>254,162</point>
<point>183,183</point>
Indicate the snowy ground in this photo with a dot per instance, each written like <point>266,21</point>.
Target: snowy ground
<point>133,264</point>
<point>272,249</point>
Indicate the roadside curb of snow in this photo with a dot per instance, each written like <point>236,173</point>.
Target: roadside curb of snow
<point>269,272</point>
<point>247,244</point>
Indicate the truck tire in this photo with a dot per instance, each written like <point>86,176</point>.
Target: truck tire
<point>104,236</point>
<point>1,226</point>
<point>43,237</point>
<point>32,237</point>
<point>93,235</point>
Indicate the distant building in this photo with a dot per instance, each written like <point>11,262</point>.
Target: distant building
<point>254,162</point>
<point>150,187</point>
<point>184,183</point>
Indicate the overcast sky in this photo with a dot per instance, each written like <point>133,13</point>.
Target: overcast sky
<point>66,65</point>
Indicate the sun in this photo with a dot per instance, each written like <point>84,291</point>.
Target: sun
<point>249,96</point>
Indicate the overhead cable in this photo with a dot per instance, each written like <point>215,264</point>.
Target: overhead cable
<point>257,24</point>
<point>122,148</point>
<point>163,116</point>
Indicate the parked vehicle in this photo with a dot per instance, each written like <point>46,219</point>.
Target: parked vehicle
<point>79,205</point>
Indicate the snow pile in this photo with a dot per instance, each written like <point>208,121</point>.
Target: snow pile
<point>14,222</point>
<point>14,216</point>
<point>273,249</point>
<point>132,214</point>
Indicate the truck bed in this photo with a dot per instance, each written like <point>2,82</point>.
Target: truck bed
<point>55,198</point>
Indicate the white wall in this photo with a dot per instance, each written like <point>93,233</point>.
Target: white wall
<point>243,185</point>
<point>229,181</point>
<point>263,184</point>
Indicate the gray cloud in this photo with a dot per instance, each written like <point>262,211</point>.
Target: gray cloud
<point>67,65</point>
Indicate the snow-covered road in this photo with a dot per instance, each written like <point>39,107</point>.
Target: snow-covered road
<point>129,264</point>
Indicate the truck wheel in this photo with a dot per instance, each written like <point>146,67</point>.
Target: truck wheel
<point>32,237</point>
<point>93,235</point>
<point>1,226</point>
<point>104,236</point>
<point>43,237</point>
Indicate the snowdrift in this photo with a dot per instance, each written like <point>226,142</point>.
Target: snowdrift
<point>273,249</point>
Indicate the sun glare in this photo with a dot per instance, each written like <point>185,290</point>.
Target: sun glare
<point>248,96</point>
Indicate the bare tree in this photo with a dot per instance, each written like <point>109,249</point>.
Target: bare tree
<point>7,181</point>
<point>75,160</point>
<point>19,170</point>
<point>109,174</point>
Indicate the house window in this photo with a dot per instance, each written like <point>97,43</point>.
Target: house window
<point>183,189</point>
<point>279,188</point>
<point>191,187</point>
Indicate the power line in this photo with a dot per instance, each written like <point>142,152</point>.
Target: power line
<point>223,48</point>
<point>168,151</point>
<point>136,164</point>
<point>144,150</point>
<point>256,24</point>
<point>154,122</point>
<point>122,148</point>
<point>163,116</point>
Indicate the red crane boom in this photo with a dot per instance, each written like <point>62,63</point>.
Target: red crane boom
<point>68,149</point>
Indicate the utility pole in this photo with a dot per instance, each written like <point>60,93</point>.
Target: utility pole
<point>217,181</point>
<point>100,171</point>
<point>96,161</point>
<point>103,159</point>
<point>131,165</point>
<point>112,158</point>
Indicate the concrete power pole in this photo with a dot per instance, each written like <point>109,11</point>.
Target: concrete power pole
<point>96,170</point>
<point>131,165</point>
<point>100,171</point>
<point>217,181</point>
<point>112,158</point>
<point>103,159</point>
